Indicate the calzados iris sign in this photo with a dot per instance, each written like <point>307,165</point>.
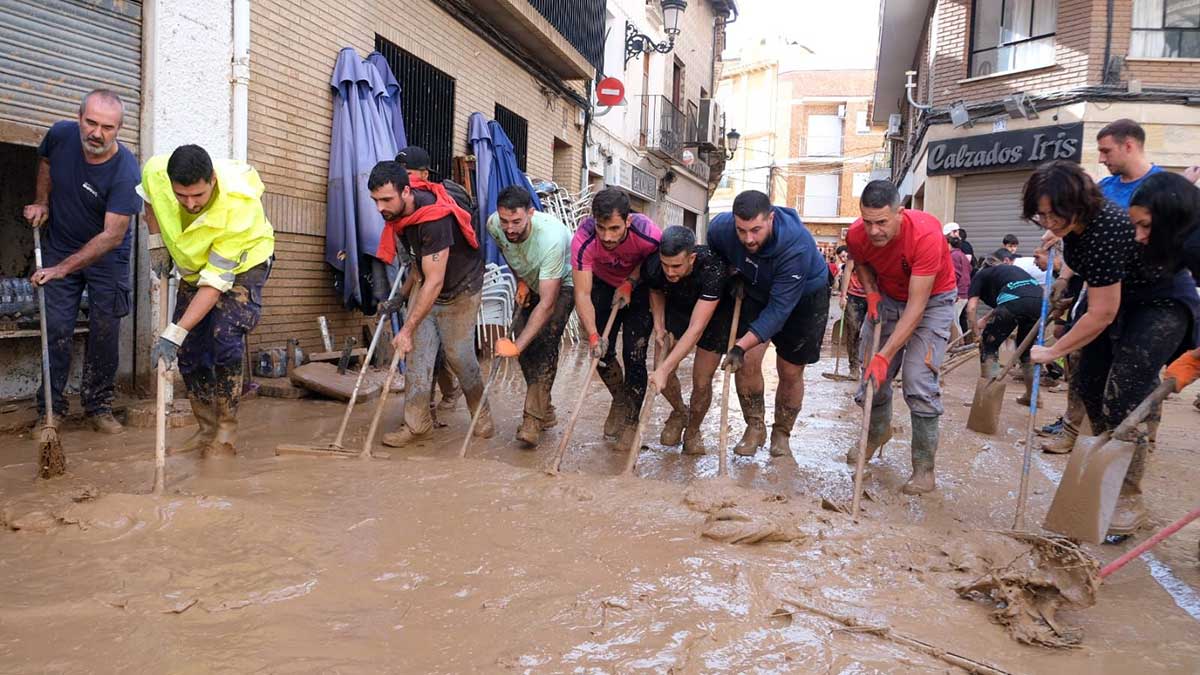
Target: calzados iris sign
<point>1005,150</point>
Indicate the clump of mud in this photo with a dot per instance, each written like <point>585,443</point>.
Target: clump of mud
<point>1028,580</point>
<point>740,516</point>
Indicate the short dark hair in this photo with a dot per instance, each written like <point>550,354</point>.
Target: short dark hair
<point>1073,194</point>
<point>962,233</point>
<point>388,171</point>
<point>514,197</point>
<point>1002,254</point>
<point>190,164</point>
<point>1174,206</point>
<point>1011,239</point>
<point>750,204</point>
<point>880,194</point>
<point>840,250</point>
<point>677,239</point>
<point>610,200</point>
<point>1122,129</point>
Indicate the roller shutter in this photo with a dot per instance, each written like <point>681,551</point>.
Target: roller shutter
<point>52,52</point>
<point>988,206</point>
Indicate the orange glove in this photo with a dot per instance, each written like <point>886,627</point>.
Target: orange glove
<point>877,370</point>
<point>1185,369</point>
<point>522,294</point>
<point>623,295</point>
<point>873,306</point>
<point>507,348</point>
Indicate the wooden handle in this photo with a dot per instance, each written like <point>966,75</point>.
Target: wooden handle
<point>562,444</point>
<point>383,397</point>
<point>723,437</point>
<point>1143,409</point>
<point>868,402</point>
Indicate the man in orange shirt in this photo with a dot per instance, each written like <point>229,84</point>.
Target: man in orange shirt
<point>904,265</point>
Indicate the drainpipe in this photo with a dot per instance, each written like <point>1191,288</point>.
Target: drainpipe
<point>241,77</point>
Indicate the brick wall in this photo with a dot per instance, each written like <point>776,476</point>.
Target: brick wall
<point>1159,72</point>
<point>294,44</point>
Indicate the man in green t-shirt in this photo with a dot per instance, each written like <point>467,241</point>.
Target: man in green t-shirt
<point>537,247</point>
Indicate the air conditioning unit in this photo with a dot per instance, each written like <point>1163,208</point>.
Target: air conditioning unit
<point>894,122</point>
<point>708,124</point>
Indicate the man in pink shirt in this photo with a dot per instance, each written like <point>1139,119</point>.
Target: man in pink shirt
<point>606,258</point>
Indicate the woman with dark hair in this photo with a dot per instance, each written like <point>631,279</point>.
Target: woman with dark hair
<point>1142,306</point>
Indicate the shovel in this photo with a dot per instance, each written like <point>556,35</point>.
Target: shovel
<point>561,452</point>
<point>52,461</point>
<point>1087,494</point>
<point>837,355</point>
<point>989,392</point>
<point>723,436</point>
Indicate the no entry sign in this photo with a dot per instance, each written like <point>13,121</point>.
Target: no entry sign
<point>610,91</point>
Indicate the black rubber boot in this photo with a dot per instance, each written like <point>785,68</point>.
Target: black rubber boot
<point>878,433</point>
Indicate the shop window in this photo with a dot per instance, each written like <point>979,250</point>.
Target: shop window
<point>427,102</point>
<point>1012,35</point>
<point>517,129</point>
<point>1167,29</point>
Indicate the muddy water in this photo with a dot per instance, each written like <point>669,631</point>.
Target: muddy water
<point>423,563</point>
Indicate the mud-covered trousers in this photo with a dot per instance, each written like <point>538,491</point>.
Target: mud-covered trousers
<point>634,324</point>
<point>852,321</point>
<point>107,284</point>
<point>451,325</point>
<point>210,358</point>
<point>921,357</point>
<point>1022,314</point>
<point>539,360</point>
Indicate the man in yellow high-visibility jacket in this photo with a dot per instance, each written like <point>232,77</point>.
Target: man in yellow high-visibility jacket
<point>213,230</point>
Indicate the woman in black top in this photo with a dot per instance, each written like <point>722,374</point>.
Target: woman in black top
<point>1142,305</point>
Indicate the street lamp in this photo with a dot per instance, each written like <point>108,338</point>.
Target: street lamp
<point>637,42</point>
<point>731,143</point>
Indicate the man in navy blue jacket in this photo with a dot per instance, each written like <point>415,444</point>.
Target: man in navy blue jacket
<point>783,276</point>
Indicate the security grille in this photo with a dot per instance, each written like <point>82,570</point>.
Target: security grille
<point>517,129</point>
<point>427,101</point>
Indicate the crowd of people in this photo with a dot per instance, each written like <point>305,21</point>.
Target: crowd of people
<point>1121,256</point>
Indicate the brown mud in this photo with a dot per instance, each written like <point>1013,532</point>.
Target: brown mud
<point>424,563</point>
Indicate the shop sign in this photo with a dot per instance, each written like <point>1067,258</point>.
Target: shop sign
<point>1005,151</point>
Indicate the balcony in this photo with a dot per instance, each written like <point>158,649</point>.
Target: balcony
<point>819,206</point>
<point>669,134</point>
<point>566,35</point>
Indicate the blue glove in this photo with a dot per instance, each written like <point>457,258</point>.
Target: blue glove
<point>166,349</point>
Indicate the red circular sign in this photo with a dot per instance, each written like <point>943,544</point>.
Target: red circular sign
<point>610,92</point>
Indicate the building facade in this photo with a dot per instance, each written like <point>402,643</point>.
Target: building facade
<point>251,80</point>
<point>1002,86</point>
<point>808,139</point>
<point>664,145</point>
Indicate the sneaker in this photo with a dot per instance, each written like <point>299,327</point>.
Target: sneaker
<point>1053,429</point>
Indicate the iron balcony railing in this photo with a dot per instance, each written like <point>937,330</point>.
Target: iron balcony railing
<point>668,133</point>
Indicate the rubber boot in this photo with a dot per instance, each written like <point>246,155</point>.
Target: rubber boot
<point>1064,442</point>
<point>924,449</point>
<point>530,432</point>
<point>226,388</point>
<point>989,368</point>
<point>672,431</point>
<point>1130,513</point>
<point>206,418</point>
<point>781,430</point>
<point>1027,371</point>
<point>693,440</point>
<point>879,432</point>
<point>754,411</point>
<point>614,379</point>
<point>485,427</point>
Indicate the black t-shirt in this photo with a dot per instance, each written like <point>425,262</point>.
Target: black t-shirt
<point>464,270</point>
<point>1106,251</point>
<point>999,284</point>
<point>1191,253</point>
<point>706,282</point>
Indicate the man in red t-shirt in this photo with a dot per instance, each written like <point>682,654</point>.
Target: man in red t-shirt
<point>904,265</point>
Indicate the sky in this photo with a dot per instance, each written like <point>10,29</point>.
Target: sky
<point>842,32</point>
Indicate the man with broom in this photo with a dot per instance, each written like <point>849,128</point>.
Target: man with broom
<point>206,219</point>
<point>904,265</point>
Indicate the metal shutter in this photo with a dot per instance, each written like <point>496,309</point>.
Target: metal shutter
<point>988,206</point>
<point>52,52</point>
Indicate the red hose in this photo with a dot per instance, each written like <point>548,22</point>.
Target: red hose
<point>1149,543</point>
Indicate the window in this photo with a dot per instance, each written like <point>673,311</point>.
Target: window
<point>427,103</point>
<point>1166,29</point>
<point>824,137</point>
<point>821,193</point>
<point>1012,35</point>
<point>517,130</point>
<point>861,125</point>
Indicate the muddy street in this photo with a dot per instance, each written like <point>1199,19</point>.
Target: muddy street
<point>423,563</point>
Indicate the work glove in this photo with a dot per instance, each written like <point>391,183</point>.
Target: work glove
<point>877,370</point>
<point>507,348</point>
<point>873,306</point>
<point>522,294</point>
<point>598,345</point>
<point>392,305</point>
<point>734,360</point>
<point>161,262</point>
<point>166,348</point>
<point>1185,369</point>
<point>623,295</point>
